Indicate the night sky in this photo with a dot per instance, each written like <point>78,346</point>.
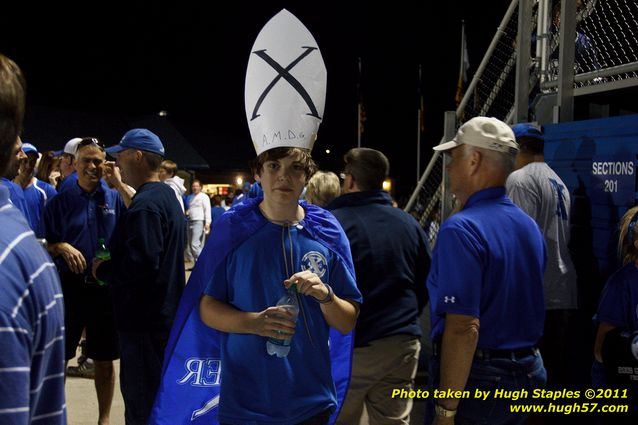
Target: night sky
<point>129,60</point>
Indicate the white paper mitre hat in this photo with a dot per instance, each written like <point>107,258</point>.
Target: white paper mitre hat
<point>285,90</point>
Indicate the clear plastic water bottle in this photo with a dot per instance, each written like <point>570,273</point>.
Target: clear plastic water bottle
<point>104,254</point>
<point>281,347</point>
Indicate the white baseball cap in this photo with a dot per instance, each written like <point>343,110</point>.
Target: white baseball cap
<point>483,132</point>
<point>70,147</point>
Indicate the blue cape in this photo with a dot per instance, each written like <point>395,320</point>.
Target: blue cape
<point>189,391</point>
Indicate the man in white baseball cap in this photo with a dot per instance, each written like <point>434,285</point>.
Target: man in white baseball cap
<point>487,272</point>
<point>67,163</point>
<point>488,139</point>
<point>483,132</point>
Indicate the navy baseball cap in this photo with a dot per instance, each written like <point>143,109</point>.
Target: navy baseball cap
<point>141,139</point>
<point>28,147</point>
<point>527,130</point>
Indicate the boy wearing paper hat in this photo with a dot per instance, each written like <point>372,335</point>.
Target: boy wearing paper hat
<point>259,249</point>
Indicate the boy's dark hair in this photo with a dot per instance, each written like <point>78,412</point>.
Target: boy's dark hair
<point>309,165</point>
<point>368,167</point>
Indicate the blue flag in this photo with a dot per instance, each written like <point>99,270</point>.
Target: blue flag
<point>189,391</point>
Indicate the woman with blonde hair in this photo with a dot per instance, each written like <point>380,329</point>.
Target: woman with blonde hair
<point>619,300</point>
<point>322,188</point>
<point>617,317</point>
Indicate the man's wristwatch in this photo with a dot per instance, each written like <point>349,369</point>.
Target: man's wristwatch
<point>443,412</point>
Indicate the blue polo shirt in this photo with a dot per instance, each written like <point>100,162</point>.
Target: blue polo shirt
<point>80,219</point>
<point>488,263</point>
<point>619,300</point>
<point>36,196</point>
<point>16,197</point>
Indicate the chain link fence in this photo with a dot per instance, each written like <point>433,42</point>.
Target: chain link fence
<point>606,42</point>
<point>494,89</point>
<point>606,52</point>
<point>426,207</point>
<point>491,93</point>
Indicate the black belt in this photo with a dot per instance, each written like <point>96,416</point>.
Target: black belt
<point>488,353</point>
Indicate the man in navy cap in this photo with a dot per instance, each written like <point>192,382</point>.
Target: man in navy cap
<point>541,193</point>
<point>146,270</point>
<point>31,307</point>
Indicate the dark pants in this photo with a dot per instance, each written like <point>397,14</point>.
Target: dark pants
<point>488,374</point>
<point>142,354</point>
<point>88,305</point>
<point>555,346</point>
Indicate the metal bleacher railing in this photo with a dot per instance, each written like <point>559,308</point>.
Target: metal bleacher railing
<point>605,58</point>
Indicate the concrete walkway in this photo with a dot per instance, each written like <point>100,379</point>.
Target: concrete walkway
<point>81,400</point>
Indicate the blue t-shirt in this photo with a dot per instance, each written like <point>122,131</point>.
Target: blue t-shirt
<point>619,300</point>
<point>296,387</point>
<point>488,263</point>
<point>31,324</point>
<point>80,219</point>
<point>36,197</point>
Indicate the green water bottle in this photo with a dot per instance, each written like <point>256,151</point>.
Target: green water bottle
<point>104,254</point>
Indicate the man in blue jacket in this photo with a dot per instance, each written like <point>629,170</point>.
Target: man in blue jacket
<point>146,270</point>
<point>391,263</point>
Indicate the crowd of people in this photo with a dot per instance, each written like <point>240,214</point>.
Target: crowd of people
<point>500,282</point>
